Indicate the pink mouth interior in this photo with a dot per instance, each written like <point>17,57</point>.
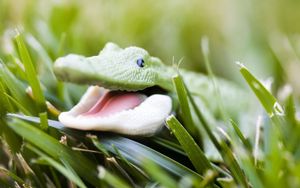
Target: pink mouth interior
<point>112,102</point>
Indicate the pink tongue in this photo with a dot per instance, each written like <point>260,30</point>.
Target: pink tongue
<point>113,102</point>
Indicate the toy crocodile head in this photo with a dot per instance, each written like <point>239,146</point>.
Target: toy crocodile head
<point>116,101</point>
<point>129,69</point>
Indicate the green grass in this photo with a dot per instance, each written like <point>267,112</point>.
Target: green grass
<point>118,161</point>
<point>195,154</point>
<point>37,151</point>
<point>124,162</point>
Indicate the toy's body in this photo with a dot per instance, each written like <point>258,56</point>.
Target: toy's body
<point>130,71</point>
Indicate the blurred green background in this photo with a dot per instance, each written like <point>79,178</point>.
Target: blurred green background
<point>262,34</point>
<point>258,33</point>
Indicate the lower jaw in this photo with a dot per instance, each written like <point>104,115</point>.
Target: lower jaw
<point>147,118</point>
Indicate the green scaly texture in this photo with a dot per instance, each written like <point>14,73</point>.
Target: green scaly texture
<point>117,69</point>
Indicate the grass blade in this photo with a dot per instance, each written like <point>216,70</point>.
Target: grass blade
<point>10,137</point>
<point>18,91</point>
<point>205,52</point>
<point>292,124</point>
<point>99,146</point>
<point>250,170</point>
<point>169,144</point>
<point>66,171</point>
<point>159,175</point>
<point>128,148</point>
<point>195,154</point>
<point>12,175</point>
<point>19,105</point>
<point>136,172</point>
<point>38,48</point>
<point>31,73</point>
<point>273,130</point>
<point>268,101</point>
<point>111,179</point>
<point>4,101</point>
<point>239,133</point>
<point>135,152</point>
<point>44,120</point>
<point>56,150</point>
<point>224,150</point>
<point>185,108</point>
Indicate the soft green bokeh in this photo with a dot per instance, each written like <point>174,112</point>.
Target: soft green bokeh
<point>238,30</point>
<point>263,35</point>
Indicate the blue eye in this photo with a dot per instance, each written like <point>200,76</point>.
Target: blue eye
<point>140,62</point>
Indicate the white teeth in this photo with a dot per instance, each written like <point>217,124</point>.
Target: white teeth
<point>145,119</point>
<point>90,97</point>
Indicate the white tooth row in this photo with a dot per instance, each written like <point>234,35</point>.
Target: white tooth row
<point>145,119</point>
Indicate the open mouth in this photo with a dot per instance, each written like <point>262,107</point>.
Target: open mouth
<point>130,113</point>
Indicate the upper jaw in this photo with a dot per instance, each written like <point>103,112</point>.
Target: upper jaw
<point>97,70</point>
<point>145,119</point>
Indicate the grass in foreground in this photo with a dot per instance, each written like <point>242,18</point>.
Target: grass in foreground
<point>39,152</point>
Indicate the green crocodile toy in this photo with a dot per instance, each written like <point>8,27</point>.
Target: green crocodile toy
<point>132,92</point>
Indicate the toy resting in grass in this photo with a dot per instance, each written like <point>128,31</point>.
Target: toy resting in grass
<point>131,91</point>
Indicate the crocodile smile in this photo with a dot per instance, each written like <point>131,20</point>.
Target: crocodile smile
<point>130,113</point>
